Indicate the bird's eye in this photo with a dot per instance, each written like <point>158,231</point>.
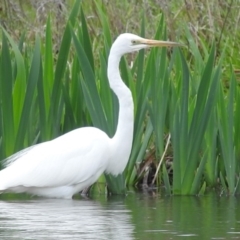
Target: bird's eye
<point>134,41</point>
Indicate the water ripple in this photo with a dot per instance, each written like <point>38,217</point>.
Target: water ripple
<point>64,219</point>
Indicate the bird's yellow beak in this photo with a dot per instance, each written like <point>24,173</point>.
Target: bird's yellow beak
<point>157,43</point>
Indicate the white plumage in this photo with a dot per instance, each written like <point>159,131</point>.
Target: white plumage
<point>59,168</point>
<point>68,164</point>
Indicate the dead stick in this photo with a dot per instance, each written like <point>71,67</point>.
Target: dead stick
<point>163,155</point>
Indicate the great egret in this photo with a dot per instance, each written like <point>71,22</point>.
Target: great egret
<point>66,165</point>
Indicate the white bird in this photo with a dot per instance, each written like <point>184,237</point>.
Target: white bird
<point>66,165</point>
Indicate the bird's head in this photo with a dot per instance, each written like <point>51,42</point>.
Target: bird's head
<point>127,43</point>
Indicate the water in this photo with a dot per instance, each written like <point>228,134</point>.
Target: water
<point>136,216</point>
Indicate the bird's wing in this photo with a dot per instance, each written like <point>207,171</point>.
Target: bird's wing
<point>11,159</point>
<point>69,159</point>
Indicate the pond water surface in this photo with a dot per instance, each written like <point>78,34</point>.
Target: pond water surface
<point>135,216</point>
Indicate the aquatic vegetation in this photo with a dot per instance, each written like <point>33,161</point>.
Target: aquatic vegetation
<point>180,95</point>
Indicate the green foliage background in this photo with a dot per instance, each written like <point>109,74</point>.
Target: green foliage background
<point>53,79</point>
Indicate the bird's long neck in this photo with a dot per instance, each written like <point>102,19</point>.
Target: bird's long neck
<point>122,140</point>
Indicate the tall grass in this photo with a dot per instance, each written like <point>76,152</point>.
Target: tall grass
<point>177,93</point>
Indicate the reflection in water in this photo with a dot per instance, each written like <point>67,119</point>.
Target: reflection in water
<point>137,216</point>
<point>64,219</point>
<point>186,217</point>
